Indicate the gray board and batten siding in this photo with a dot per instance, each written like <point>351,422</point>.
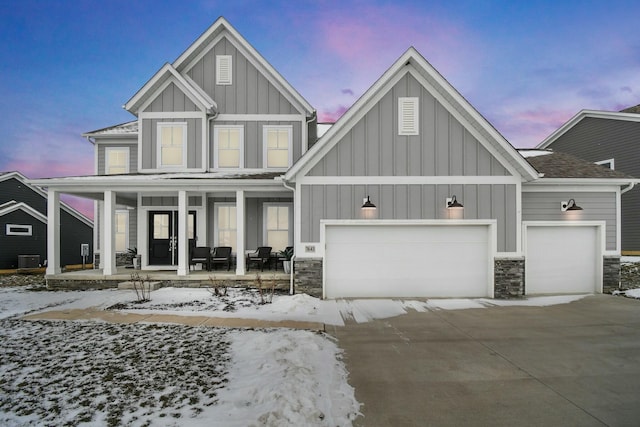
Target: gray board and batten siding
<point>399,201</point>
<point>596,139</point>
<point>597,206</point>
<point>171,99</point>
<point>372,147</point>
<point>250,91</point>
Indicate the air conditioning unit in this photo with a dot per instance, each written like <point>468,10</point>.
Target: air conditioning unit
<point>28,261</point>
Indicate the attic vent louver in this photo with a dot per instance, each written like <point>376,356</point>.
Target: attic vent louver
<point>223,69</point>
<point>408,116</point>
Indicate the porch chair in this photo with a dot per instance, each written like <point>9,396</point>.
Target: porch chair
<point>201,255</point>
<point>221,255</point>
<point>261,256</point>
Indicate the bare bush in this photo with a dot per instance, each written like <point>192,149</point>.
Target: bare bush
<point>142,287</point>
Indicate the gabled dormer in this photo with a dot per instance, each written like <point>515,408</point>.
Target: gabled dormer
<point>220,106</point>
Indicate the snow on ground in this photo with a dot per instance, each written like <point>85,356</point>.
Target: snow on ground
<point>96,373</point>
<point>630,293</point>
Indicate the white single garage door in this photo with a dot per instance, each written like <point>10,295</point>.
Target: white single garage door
<point>407,261</point>
<point>562,260</point>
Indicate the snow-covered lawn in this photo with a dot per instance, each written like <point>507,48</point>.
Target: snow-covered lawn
<point>96,373</point>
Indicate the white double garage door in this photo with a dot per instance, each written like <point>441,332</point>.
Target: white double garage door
<point>447,259</point>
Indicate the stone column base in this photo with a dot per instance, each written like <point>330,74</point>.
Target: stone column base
<point>508,278</point>
<point>610,274</point>
<point>307,276</point>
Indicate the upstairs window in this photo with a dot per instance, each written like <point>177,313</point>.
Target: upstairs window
<point>116,160</point>
<point>228,147</point>
<point>223,69</point>
<point>277,146</point>
<point>408,116</point>
<point>172,144</point>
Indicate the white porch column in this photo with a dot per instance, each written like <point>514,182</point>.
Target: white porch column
<point>53,232</point>
<point>108,249</point>
<point>183,234</point>
<point>240,226</point>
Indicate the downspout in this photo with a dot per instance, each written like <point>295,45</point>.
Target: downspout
<point>629,187</point>
<point>293,257</point>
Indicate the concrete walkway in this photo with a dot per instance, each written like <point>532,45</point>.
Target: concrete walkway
<point>121,317</point>
<point>574,364</point>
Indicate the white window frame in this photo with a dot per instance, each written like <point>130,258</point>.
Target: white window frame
<point>11,230</point>
<point>159,127</point>
<point>610,163</point>
<point>265,149</point>
<point>265,210</point>
<point>402,102</point>
<point>127,162</point>
<point>124,212</point>
<point>216,144</point>
<point>216,227</point>
<point>221,79</point>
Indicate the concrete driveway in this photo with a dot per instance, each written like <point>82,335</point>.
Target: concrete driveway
<point>574,364</point>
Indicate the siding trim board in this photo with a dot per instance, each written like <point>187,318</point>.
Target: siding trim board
<point>26,209</point>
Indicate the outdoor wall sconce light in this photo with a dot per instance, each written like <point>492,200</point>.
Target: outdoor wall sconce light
<point>368,209</point>
<point>453,203</point>
<point>569,206</point>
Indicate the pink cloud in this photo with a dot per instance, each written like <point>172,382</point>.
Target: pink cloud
<point>331,116</point>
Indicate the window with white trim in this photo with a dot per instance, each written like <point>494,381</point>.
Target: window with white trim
<point>277,233</point>
<point>172,145</point>
<point>228,147</point>
<point>116,160</point>
<point>278,147</point>
<point>19,230</point>
<point>609,163</point>
<point>225,230</point>
<point>408,123</point>
<point>121,230</point>
<point>224,68</point>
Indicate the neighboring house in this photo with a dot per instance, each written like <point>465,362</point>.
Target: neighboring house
<point>609,139</point>
<point>23,226</point>
<point>222,153</point>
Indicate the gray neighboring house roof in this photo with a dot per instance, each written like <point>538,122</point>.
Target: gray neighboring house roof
<point>635,109</point>
<point>562,165</point>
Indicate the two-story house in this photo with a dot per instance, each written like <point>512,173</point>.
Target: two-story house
<point>411,193</point>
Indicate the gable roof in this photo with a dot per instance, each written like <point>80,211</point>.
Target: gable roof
<point>168,72</point>
<point>20,177</point>
<point>13,206</point>
<point>553,164</point>
<point>412,62</point>
<point>597,114</point>
<point>123,130</point>
<point>222,27</point>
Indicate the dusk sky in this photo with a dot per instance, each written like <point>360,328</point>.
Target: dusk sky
<point>68,66</point>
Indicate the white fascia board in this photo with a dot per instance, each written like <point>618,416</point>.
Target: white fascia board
<point>14,174</point>
<point>31,183</point>
<point>597,114</point>
<point>581,182</point>
<point>25,208</point>
<point>132,140</point>
<point>407,180</point>
<point>218,27</point>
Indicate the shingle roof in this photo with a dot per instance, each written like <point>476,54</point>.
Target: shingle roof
<point>128,128</point>
<point>563,165</point>
<point>634,109</point>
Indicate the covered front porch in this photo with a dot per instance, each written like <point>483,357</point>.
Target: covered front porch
<point>162,218</point>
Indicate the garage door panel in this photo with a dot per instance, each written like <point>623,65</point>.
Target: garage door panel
<point>562,259</point>
<point>406,261</point>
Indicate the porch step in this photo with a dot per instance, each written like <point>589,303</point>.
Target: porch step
<point>129,285</point>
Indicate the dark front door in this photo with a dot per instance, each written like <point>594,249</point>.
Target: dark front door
<point>163,236</point>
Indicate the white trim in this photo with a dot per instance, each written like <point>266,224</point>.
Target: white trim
<point>618,221</point>
<point>11,207</point>
<point>172,115</point>
<point>216,129</point>
<point>224,80</point>
<point>611,115</point>
<point>10,231</point>
<point>611,162</point>
<point>127,162</point>
<point>492,238</point>
<point>409,105</point>
<point>569,187</point>
<point>261,117</point>
<point>185,143</point>
<point>380,180</point>
<point>265,149</point>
